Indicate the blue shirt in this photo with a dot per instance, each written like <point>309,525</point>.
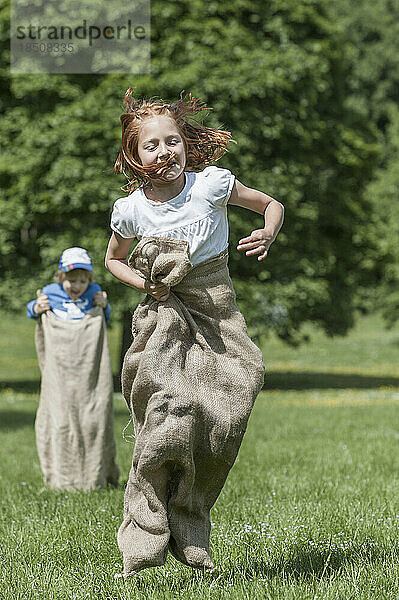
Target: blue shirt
<point>66,308</point>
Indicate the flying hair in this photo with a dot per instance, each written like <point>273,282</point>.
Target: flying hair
<point>203,145</point>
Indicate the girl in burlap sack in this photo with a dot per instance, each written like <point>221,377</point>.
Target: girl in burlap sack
<point>74,421</point>
<point>192,374</point>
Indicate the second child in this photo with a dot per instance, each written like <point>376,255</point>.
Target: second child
<point>74,420</point>
<point>74,294</point>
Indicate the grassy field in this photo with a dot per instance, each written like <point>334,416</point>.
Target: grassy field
<point>310,509</point>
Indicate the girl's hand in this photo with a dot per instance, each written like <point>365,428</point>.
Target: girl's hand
<point>159,291</point>
<point>41,305</point>
<point>100,299</point>
<point>258,242</point>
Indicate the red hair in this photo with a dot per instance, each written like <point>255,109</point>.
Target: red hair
<point>203,145</point>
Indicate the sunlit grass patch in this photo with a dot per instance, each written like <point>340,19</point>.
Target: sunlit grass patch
<point>331,398</point>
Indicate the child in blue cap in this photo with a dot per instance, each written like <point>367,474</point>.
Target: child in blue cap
<point>74,294</point>
<point>74,421</point>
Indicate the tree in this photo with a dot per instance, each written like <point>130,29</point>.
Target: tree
<point>372,27</point>
<point>275,74</point>
<point>383,194</point>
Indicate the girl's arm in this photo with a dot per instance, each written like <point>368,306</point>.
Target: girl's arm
<point>260,240</point>
<point>116,263</point>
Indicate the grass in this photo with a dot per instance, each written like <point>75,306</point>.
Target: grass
<point>310,509</point>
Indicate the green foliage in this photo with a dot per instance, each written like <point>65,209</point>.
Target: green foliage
<point>276,75</point>
<point>372,28</point>
<point>383,193</point>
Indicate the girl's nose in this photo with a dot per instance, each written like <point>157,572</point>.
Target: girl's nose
<point>163,152</point>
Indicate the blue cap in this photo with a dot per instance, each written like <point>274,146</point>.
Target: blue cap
<point>75,258</point>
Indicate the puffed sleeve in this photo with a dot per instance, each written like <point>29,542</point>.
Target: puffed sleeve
<point>219,183</point>
<point>122,218</point>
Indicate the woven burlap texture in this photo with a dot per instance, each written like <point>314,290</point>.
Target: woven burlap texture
<point>190,379</point>
<point>74,421</point>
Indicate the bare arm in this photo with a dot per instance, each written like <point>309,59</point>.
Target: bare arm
<point>260,240</point>
<point>116,263</point>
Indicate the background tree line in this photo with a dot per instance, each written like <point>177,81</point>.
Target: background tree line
<point>309,91</point>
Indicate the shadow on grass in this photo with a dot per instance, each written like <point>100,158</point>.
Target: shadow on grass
<point>303,563</point>
<point>33,386</point>
<point>124,413</point>
<point>309,381</point>
<point>26,387</point>
<point>117,383</point>
<point>14,419</point>
<point>273,381</point>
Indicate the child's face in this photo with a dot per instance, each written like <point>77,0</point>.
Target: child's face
<point>76,283</point>
<point>158,138</point>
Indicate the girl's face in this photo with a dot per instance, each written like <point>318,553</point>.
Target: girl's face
<point>75,283</point>
<point>158,138</point>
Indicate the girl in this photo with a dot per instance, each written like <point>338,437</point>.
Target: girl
<point>74,421</point>
<point>192,374</point>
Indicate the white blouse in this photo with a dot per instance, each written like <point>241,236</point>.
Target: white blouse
<point>198,214</point>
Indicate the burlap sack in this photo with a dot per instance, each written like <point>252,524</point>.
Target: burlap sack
<point>74,421</point>
<point>190,378</point>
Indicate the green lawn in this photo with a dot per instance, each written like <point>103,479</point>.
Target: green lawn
<point>310,509</point>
